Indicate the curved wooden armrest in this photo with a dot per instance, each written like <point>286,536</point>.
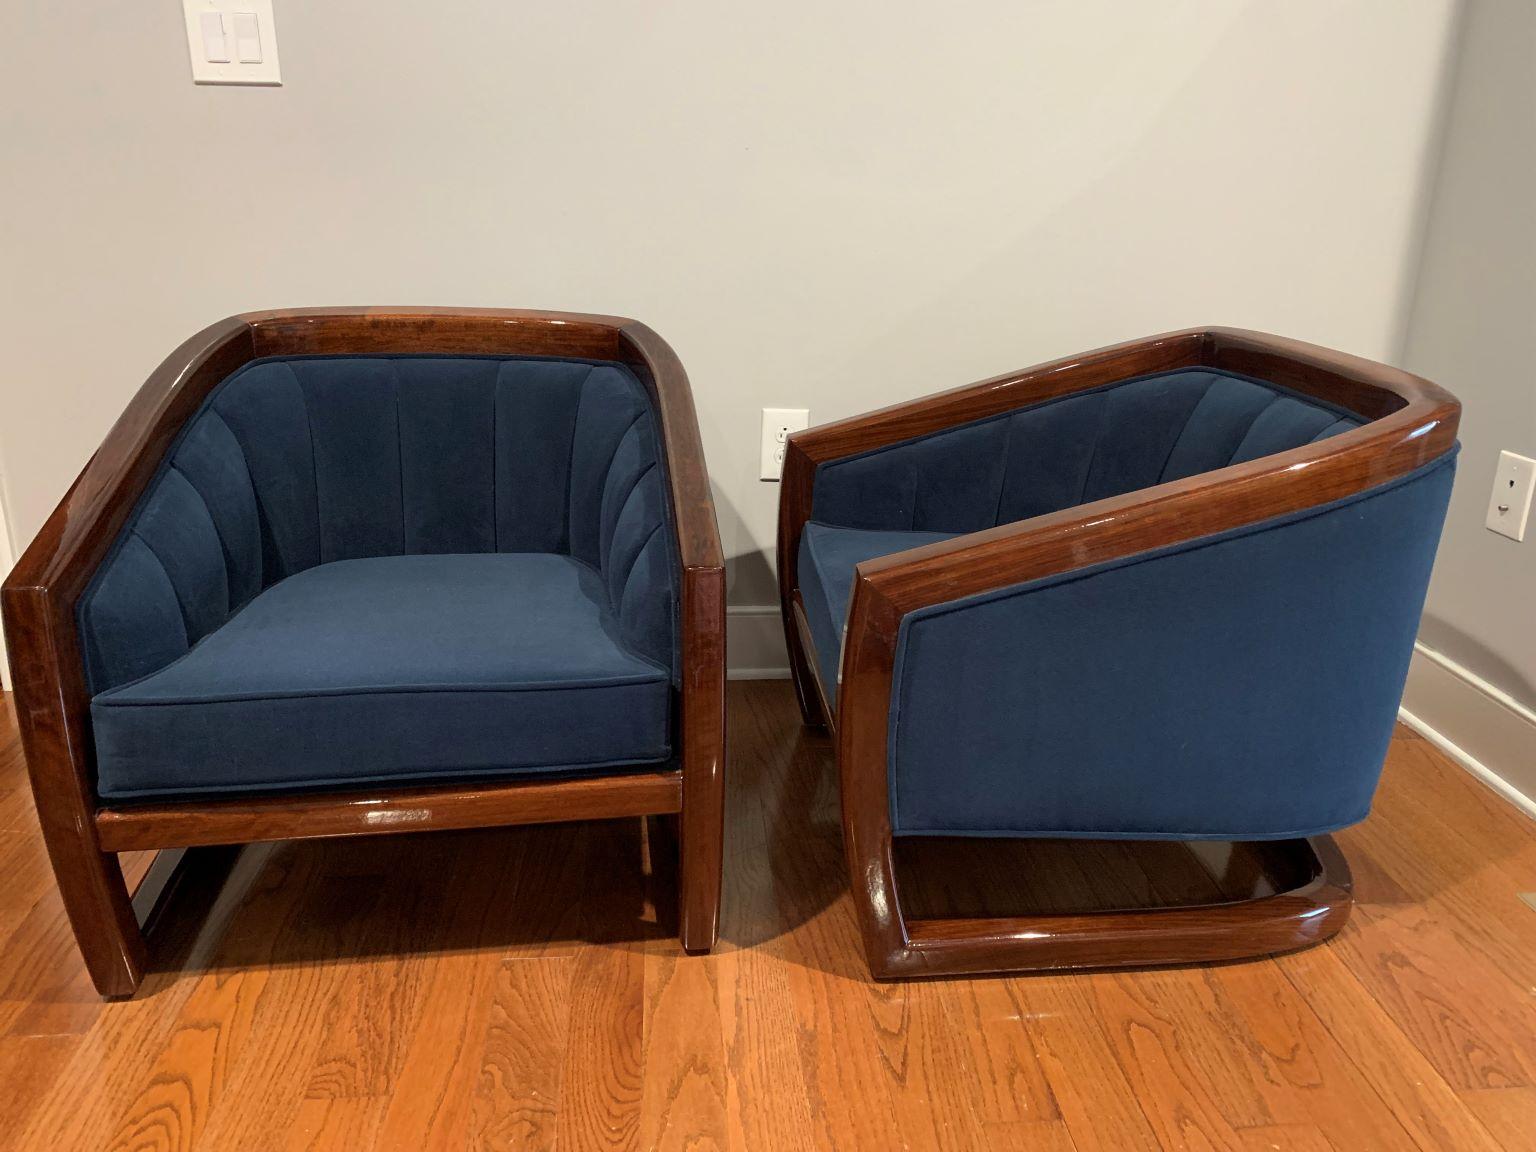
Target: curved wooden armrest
<point>1411,422</point>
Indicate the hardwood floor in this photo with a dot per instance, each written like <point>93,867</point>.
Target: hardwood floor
<point>520,989</point>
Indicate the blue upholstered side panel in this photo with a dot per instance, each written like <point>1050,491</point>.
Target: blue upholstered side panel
<point>298,462</point>
<point>1053,455</point>
<point>1243,686</point>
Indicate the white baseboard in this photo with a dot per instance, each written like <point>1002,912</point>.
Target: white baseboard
<point>754,643</point>
<point>1475,723</point>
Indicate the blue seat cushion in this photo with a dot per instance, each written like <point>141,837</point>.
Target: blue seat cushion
<point>828,557</point>
<point>393,668</point>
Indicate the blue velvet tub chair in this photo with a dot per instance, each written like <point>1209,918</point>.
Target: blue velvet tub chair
<point>347,571</point>
<point>1163,591</point>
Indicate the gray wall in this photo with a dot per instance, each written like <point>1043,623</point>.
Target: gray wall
<point>827,205</point>
<point>1470,328</point>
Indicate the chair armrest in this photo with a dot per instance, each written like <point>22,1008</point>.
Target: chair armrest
<point>807,450</point>
<point>40,595</point>
<point>1400,407</point>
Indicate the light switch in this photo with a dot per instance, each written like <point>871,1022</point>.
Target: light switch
<point>232,41</point>
<point>247,38</point>
<point>215,43</point>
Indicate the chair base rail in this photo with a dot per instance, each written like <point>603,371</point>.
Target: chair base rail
<point>1284,921</point>
<point>362,813</point>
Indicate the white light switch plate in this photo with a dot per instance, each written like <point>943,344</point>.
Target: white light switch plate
<point>1509,506</point>
<point>778,423</point>
<point>232,41</point>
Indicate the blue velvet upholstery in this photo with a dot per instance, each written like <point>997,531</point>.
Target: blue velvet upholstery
<point>1240,686</point>
<point>828,557</point>
<point>543,477</point>
<point>1087,446</point>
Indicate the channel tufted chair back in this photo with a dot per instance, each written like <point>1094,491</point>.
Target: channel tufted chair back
<point>299,461</point>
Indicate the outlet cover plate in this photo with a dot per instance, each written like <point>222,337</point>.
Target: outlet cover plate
<point>778,423</point>
<point>1509,505</point>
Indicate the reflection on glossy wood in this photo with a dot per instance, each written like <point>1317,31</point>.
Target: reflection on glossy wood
<point>520,988</point>
<point>40,595</point>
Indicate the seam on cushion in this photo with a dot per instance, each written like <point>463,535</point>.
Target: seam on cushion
<point>314,468</point>
<point>111,699</point>
<point>624,507</point>
<point>1002,481</point>
<point>1162,473</point>
<point>1252,424</point>
<point>186,624</point>
<point>1093,457</point>
<point>1328,432</point>
<point>639,552</point>
<point>394,373</point>
<point>261,547</point>
<point>570,457</point>
<point>217,535</point>
<point>495,475</point>
<point>603,546</point>
<point>528,771</point>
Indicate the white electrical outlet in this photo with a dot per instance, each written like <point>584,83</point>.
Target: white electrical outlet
<point>1510,504</point>
<point>778,423</point>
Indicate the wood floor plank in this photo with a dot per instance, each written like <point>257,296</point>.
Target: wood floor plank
<point>1509,1115</point>
<point>1286,1138</point>
<point>1097,1102</point>
<point>1418,1097</point>
<point>520,988</point>
<point>521,1057</point>
<point>1028,1136</point>
<point>1011,1087</point>
<point>683,1104</point>
<point>1305,1076</point>
<point>1145,1036</point>
<point>766,1104</point>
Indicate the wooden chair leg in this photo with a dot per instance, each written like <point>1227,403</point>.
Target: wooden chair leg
<point>1303,915</point>
<point>100,909</point>
<point>700,857</point>
<point>814,707</point>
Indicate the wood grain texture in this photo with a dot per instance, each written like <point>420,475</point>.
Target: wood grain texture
<point>363,813</point>
<point>1410,422</point>
<point>40,595</point>
<point>518,988</point>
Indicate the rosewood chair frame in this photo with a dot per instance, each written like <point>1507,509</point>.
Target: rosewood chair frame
<point>1412,421</point>
<point>84,835</point>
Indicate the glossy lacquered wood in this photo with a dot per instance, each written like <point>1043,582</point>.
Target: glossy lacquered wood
<point>309,815</point>
<point>517,989</point>
<point>1411,421</point>
<point>1276,921</point>
<point>40,595</point>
